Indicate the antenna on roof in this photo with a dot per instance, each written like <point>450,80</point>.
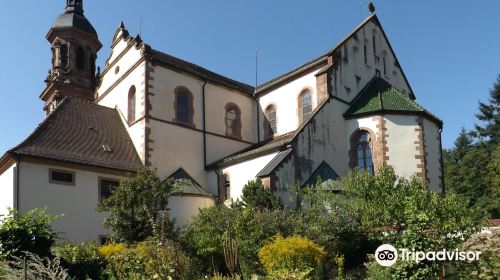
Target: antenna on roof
<point>360,10</point>
<point>140,28</point>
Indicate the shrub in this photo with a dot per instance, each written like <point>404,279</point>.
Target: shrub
<point>30,232</point>
<point>36,268</point>
<point>257,196</point>
<point>82,261</point>
<point>138,208</point>
<point>291,254</point>
<point>147,260</point>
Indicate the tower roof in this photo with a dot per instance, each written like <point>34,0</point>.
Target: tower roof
<point>73,17</point>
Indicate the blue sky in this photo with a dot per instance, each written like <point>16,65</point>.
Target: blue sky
<point>449,50</point>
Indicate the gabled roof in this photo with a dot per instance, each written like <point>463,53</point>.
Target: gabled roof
<point>79,131</point>
<point>269,168</point>
<point>324,172</point>
<point>379,96</point>
<point>187,184</point>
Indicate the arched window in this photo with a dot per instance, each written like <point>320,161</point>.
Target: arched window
<point>63,55</point>
<point>364,152</point>
<point>80,58</point>
<point>92,65</point>
<point>131,104</point>
<point>271,120</point>
<point>305,105</point>
<point>233,120</point>
<point>183,105</point>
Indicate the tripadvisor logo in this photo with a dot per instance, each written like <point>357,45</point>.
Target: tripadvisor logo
<point>387,255</point>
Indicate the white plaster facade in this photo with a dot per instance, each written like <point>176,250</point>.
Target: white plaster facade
<point>205,150</point>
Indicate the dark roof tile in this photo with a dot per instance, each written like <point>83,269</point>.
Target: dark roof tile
<point>76,131</point>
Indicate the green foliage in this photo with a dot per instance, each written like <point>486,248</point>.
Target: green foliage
<point>147,260</point>
<point>488,266</point>
<point>423,219</point>
<point>30,232</point>
<point>82,261</point>
<point>465,163</point>
<point>291,254</point>
<point>138,208</point>
<point>257,196</point>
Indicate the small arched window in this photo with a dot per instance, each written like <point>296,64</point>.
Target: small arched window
<point>271,124</point>
<point>364,152</point>
<point>227,187</point>
<point>63,55</point>
<point>183,105</point>
<point>233,120</point>
<point>305,105</point>
<point>131,105</point>
<point>80,58</point>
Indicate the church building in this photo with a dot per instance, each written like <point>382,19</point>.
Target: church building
<point>351,107</point>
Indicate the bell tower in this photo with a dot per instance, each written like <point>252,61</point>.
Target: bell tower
<point>75,45</point>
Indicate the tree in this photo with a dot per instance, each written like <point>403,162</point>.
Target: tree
<point>407,214</point>
<point>257,196</point>
<point>138,208</point>
<point>30,232</point>
<point>490,114</point>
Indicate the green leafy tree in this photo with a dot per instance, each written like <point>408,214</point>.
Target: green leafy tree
<point>407,214</point>
<point>138,208</point>
<point>257,196</point>
<point>30,232</point>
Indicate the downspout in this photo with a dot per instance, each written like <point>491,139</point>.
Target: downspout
<point>441,160</point>
<point>204,125</point>
<point>16,184</point>
<point>218,186</point>
<point>258,119</point>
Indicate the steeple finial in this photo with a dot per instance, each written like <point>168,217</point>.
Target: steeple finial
<point>75,6</point>
<point>371,7</point>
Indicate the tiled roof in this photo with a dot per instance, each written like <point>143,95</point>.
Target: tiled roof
<point>324,172</point>
<point>380,96</point>
<point>199,71</point>
<point>187,184</point>
<point>276,144</point>
<point>77,132</point>
<point>273,163</point>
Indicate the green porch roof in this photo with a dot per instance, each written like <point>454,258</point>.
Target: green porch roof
<point>187,184</point>
<point>381,97</point>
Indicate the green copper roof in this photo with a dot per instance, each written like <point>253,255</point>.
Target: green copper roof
<point>187,184</point>
<point>324,173</point>
<point>380,96</point>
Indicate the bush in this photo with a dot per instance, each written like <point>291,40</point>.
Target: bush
<point>257,196</point>
<point>82,261</point>
<point>30,232</point>
<point>146,260</point>
<point>36,268</point>
<point>292,254</point>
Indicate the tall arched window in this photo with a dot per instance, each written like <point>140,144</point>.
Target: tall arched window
<point>80,58</point>
<point>233,120</point>
<point>131,104</point>
<point>271,120</point>
<point>183,105</point>
<point>364,152</point>
<point>305,105</point>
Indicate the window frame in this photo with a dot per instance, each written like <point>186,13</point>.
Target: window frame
<point>132,105</point>
<point>57,182</point>
<point>268,128</point>
<point>237,121</point>
<point>365,146</point>
<point>99,185</point>
<point>300,103</point>
<point>189,110</point>
<point>227,187</point>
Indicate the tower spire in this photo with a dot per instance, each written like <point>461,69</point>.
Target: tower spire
<point>75,6</point>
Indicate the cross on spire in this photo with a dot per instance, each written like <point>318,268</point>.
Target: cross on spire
<point>75,6</point>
